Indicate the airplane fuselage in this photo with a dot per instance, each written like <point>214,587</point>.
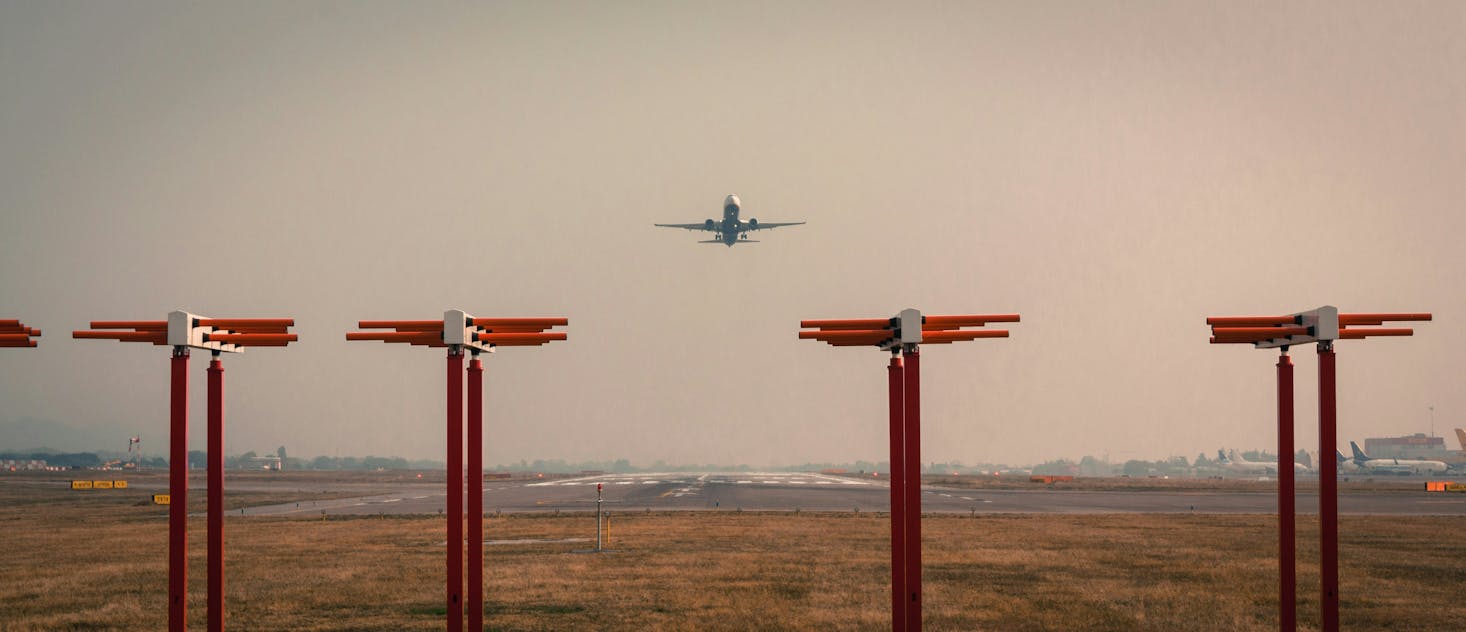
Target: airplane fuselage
<point>1403,466</point>
<point>1395,465</point>
<point>729,234</point>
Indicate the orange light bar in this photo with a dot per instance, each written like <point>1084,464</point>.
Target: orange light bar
<point>402,325</point>
<point>123,336</point>
<point>245,340</point>
<point>520,338</point>
<point>855,342</point>
<point>1267,332</point>
<point>941,337</point>
<point>140,325</point>
<point>1250,321</point>
<point>845,334</point>
<point>512,329</point>
<point>970,320</point>
<point>230,323</point>
<point>542,323</point>
<point>1226,340</point>
<point>15,337</point>
<point>396,336</point>
<point>856,323</point>
<point>1360,334</point>
<point>250,330</point>
<point>1379,319</point>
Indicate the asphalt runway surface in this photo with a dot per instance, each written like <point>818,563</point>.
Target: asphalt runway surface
<point>820,492</point>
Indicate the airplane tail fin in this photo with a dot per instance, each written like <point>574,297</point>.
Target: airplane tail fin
<point>1340,456</point>
<point>1461,437</point>
<point>1359,455</point>
<point>1222,457</point>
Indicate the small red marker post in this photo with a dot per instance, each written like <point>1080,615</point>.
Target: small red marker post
<point>1321,326</point>
<point>901,336</point>
<point>184,331</point>
<point>460,332</point>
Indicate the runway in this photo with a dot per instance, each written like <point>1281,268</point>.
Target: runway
<point>785,491</point>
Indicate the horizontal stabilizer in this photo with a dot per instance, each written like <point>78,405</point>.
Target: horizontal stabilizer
<point>719,241</point>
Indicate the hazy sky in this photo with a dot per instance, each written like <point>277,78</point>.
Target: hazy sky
<point>1115,172</point>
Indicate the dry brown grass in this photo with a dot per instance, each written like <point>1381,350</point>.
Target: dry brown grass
<point>95,561</point>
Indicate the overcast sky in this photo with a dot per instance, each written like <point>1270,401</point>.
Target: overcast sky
<point>1115,172</point>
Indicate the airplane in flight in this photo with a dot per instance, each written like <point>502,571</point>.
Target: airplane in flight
<point>730,230</point>
<point>1238,463</point>
<point>1394,465</point>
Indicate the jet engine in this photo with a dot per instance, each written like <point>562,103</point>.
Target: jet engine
<point>708,225</point>
<point>753,223</point>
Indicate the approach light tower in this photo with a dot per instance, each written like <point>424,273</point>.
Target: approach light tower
<point>901,336</point>
<point>459,331</point>
<point>184,331</point>
<point>1320,326</point>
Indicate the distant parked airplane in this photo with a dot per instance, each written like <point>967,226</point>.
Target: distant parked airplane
<point>1238,463</point>
<point>731,230</point>
<point>1395,466</point>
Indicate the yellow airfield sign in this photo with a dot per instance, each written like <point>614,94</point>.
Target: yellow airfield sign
<point>99,484</point>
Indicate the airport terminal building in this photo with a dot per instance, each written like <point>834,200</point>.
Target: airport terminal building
<point>1416,446</point>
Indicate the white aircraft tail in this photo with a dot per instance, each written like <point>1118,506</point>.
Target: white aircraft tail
<point>1461,437</point>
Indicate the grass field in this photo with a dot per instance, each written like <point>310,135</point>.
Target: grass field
<point>96,560</point>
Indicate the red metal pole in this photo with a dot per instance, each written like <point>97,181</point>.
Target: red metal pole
<point>455,489</point>
<point>896,377</point>
<point>178,492</point>
<point>475,494</point>
<point>1287,556</point>
<point>216,495</point>
<point>1328,490</point>
<point>913,487</point>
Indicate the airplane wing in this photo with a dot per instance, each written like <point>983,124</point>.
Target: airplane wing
<point>762,225</point>
<point>719,241</point>
<point>700,226</point>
